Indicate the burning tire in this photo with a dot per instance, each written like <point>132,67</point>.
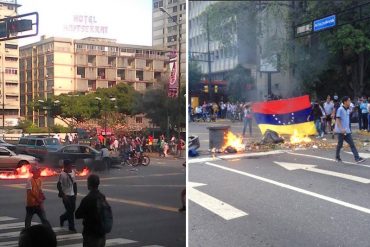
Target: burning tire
<point>22,163</point>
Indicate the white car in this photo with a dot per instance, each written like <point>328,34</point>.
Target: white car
<point>10,160</point>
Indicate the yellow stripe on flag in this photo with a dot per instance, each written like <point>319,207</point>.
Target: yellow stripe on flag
<point>307,128</point>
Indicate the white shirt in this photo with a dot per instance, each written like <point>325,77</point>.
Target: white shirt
<point>67,184</point>
<point>328,107</point>
<point>104,152</point>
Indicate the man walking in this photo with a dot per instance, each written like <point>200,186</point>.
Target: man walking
<point>35,199</point>
<point>93,235</point>
<point>343,130</point>
<point>67,187</point>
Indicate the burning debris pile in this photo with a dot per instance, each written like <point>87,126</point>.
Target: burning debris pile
<point>25,172</point>
<point>233,143</point>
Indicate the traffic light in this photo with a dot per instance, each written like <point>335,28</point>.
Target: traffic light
<point>216,89</point>
<point>206,89</point>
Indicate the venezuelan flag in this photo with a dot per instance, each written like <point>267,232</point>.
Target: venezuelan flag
<point>285,116</point>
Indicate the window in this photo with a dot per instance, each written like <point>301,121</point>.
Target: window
<point>12,97</point>
<point>139,120</point>
<point>11,46</point>
<point>52,141</point>
<point>71,149</point>
<point>12,71</point>
<point>11,84</point>
<point>155,6</point>
<point>11,59</point>
<point>172,38</point>
<point>32,142</point>
<point>39,143</point>
<point>23,141</point>
<point>174,9</point>
<point>160,4</point>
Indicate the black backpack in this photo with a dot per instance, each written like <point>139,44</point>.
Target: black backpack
<point>105,216</point>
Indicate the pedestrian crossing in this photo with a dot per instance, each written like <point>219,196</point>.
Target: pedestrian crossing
<point>9,234</point>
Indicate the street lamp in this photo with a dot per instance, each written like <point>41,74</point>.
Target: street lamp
<point>178,64</point>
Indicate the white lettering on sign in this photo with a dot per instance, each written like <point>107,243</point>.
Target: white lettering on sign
<point>85,24</point>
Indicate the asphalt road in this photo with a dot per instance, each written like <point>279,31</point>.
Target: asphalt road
<point>265,204</point>
<point>144,204</point>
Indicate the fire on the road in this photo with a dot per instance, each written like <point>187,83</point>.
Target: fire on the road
<point>297,138</point>
<point>234,141</point>
<point>24,172</point>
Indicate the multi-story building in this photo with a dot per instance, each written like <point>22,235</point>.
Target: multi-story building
<point>164,29</point>
<point>224,59</point>
<point>54,66</point>
<point>9,80</point>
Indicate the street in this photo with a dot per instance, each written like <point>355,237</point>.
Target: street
<point>278,198</point>
<point>144,204</point>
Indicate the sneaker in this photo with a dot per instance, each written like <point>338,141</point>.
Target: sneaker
<point>338,160</point>
<point>360,160</point>
<point>322,134</point>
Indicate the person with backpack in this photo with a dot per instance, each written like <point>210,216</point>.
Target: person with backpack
<point>67,188</point>
<point>96,214</point>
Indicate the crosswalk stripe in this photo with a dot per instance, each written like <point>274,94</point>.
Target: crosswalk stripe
<point>59,238</point>
<point>6,218</point>
<point>13,225</point>
<point>108,242</point>
<point>16,234</point>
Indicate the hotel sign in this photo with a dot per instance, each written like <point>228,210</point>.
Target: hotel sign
<point>86,24</point>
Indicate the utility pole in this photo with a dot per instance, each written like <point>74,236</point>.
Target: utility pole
<point>209,65</point>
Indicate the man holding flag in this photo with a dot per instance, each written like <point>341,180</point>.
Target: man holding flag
<point>343,130</point>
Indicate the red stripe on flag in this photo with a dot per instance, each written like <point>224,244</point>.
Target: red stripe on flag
<point>282,106</point>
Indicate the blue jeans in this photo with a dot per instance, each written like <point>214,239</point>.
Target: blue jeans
<point>348,139</point>
<point>318,126</point>
<point>247,121</point>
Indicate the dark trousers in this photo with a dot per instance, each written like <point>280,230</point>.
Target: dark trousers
<point>364,120</point>
<point>348,139</point>
<point>30,211</point>
<point>93,241</point>
<point>70,206</point>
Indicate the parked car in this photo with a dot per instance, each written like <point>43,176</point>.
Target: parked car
<point>7,145</point>
<point>11,161</point>
<point>38,146</point>
<point>81,156</point>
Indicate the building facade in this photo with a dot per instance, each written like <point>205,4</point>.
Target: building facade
<point>164,29</point>
<point>9,52</point>
<point>55,66</point>
<point>225,59</point>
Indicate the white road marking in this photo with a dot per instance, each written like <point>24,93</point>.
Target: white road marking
<point>212,204</point>
<point>16,234</point>
<point>299,190</point>
<point>312,168</point>
<point>323,158</point>
<point>6,218</point>
<point>363,155</point>
<point>234,156</point>
<point>108,242</point>
<point>65,237</point>
<point>13,225</point>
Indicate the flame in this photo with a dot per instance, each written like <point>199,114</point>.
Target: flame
<point>84,172</point>
<point>24,172</point>
<point>299,138</point>
<point>234,141</point>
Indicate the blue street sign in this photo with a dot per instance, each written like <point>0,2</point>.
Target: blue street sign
<point>324,23</point>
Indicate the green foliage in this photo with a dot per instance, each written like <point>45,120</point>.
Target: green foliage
<point>24,124</point>
<point>57,128</point>
<point>159,108</point>
<point>238,81</point>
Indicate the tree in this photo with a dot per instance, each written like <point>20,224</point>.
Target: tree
<point>161,109</point>
<point>239,83</point>
<point>194,76</point>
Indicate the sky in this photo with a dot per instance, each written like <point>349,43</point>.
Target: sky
<point>127,21</point>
